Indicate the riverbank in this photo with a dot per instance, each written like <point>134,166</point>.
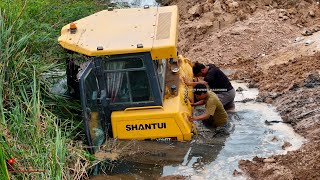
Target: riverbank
<point>39,131</point>
<point>265,43</point>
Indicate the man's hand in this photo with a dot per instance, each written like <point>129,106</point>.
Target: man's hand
<point>191,101</point>
<point>186,81</point>
<point>195,79</point>
<point>191,119</point>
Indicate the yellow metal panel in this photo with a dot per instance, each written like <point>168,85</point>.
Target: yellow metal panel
<point>121,30</point>
<point>165,46</point>
<point>174,113</point>
<point>148,128</point>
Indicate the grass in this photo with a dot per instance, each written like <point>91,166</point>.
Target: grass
<point>38,128</point>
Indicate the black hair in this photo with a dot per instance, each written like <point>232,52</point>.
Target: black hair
<point>197,68</point>
<point>199,89</point>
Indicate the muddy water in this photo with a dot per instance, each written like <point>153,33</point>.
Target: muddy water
<point>255,129</point>
<point>252,136</point>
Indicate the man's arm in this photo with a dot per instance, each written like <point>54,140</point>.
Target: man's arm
<point>200,118</point>
<point>189,83</point>
<point>199,103</point>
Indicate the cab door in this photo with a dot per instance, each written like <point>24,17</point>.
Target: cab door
<point>92,95</point>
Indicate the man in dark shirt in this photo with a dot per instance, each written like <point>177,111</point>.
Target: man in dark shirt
<point>217,81</point>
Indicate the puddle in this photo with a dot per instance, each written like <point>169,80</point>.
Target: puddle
<point>214,154</point>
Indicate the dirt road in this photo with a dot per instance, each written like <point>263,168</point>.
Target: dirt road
<point>273,45</point>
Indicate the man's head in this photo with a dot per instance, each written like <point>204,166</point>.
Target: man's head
<point>199,70</point>
<point>200,91</point>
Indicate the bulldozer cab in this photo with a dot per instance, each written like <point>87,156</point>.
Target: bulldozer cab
<point>125,69</point>
<point>122,81</point>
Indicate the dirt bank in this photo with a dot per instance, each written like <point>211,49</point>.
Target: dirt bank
<point>263,42</point>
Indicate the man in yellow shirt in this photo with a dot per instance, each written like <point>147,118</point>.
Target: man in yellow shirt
<point>215,113</point>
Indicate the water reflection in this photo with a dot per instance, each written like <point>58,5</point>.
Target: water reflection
<point>156,157</point>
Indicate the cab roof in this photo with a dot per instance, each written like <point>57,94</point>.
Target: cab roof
<point>122,31</point>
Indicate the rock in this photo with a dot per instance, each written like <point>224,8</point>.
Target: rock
<point>273,95</point>
<point>252,85</point>
<point>207,7</point>
<point>292,11</point>
<point>210,1</point>
<point>269,160</point>
<point>240,89</point>
<point>283,11</point>
<point>268,100</point>
<point>308,42</point>
<point>195,10</point>
<point>235,33</point>
<point>306,32</point>
<point>283,14</point>
<point>294,87</point>
<point>208,16</point>
<point>312,80</point>
<point>267,2</point>
<point>241,15</point>
<point>253,8</point>
<point>311,13</point>
<point>267,122</point>
<point>275,4</point>
<point>274,139</point>
<point>285,18</point>
<point>261,98</point>
<point>208,24</point>
<point>315,29</point>
<point>257,159</point>
<point>234,61</point>
<point>217,8</point>
<point>236,173</point>
<point>233,5</point>
<point>285,145</point>
<point>298,39</point>
<point>229,18</point>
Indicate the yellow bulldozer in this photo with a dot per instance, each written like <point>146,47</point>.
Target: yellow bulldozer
<point>124,67</point>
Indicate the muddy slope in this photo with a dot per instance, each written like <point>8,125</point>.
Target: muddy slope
<point>262,42</point>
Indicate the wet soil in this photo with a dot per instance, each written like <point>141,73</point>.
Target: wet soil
<point>261,42</point>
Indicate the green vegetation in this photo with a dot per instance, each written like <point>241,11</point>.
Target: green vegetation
<point>37,127</point>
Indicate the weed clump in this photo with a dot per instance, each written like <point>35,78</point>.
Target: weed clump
<point>37,128</point>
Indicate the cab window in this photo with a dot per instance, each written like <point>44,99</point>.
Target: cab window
<point>127,81</point>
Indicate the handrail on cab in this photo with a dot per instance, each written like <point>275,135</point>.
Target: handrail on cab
<point>142,108</point>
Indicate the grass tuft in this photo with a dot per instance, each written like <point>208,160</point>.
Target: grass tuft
<point>37,128</point>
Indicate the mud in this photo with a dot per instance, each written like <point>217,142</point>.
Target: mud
<point>268,44</point>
